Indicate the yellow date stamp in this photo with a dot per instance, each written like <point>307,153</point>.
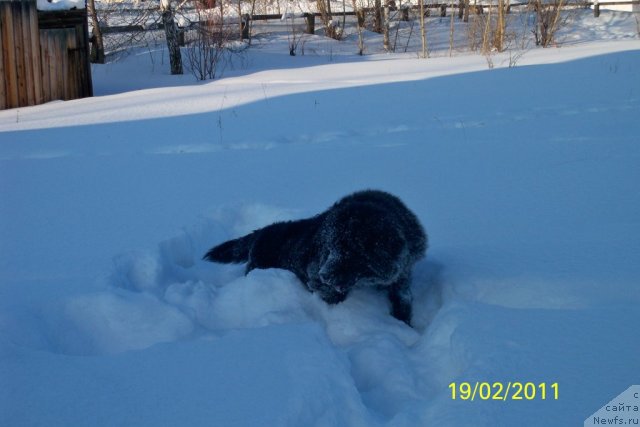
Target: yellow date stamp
<point>511,390</point>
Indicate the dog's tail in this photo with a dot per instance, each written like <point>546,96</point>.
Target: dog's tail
<point>234,251</point>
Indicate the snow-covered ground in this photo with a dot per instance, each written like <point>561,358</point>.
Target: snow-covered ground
<point>526,179</point>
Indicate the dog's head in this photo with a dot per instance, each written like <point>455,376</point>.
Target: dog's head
<point>361,250</point>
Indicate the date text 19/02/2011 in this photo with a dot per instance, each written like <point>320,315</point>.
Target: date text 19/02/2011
<point>512,390</point>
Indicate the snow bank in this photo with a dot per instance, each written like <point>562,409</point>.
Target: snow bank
<point>170,294</point>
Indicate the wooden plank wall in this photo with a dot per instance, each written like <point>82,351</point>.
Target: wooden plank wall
<point>65,54</point>
<point>44,56</point>
<point>58,63</point>
<point>19,55</point>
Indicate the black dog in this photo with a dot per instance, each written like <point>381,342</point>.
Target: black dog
<point>369,238</point>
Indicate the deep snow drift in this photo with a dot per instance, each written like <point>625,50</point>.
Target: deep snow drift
<point>526,179</point>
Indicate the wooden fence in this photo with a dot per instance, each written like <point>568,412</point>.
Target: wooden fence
<point>43,55</point>
<point>476,7</point>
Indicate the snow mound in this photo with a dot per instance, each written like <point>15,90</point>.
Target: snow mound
<point>170,293</point>
<point>113,322</point>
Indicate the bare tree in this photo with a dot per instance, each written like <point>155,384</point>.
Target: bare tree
<point>207,53</point>
<point>385,27</point>
<point>488,31</point>
<point>294,35</point>
<point>500,27</point>
<point>423,31</point>
<point>330,29</point>
<point>97,44</point>
<point>359,25</point>
<point>377,16</point>
<point>171,34</point>
<point>548,20</point>
<point>451,28</point>
<point>132,18</point>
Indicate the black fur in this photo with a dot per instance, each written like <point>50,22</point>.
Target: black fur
<point>369,238</point>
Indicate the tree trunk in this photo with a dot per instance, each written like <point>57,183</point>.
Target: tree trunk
<point>451,28</point>
<point>330,28</point>
<point>359,26</point>
<point>377,16</point>
<point>385,27</point>
<point>486,35</point>
<point>500,27</point>
<point>171,34</point>
<point>241,24</point>
<point>423,31</point>
<point>97,44</point>
<point>324,8</point>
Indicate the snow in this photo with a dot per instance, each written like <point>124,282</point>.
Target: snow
<point>524,177</point>
<point>60,4</point>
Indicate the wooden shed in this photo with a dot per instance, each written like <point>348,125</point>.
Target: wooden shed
<point>44,55</point>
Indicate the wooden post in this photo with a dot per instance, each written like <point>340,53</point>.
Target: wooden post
<point>246,21</point>
<point>596,9</point>
<point>405,13</point>
<point>443,10</point>
<point>310,19</point>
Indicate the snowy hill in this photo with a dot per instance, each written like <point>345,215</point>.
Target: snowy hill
<point>525,178</point>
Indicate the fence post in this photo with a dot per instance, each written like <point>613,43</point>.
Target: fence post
<point>245,26</point>
<point>405,13</point>
<point>596,9</point>
<point>443,10</point>
<point>310,19</point>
